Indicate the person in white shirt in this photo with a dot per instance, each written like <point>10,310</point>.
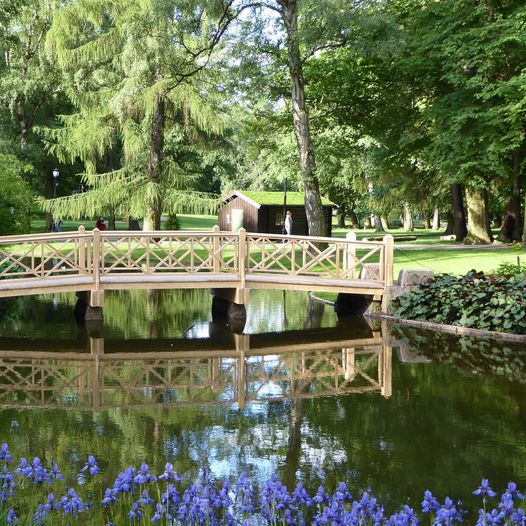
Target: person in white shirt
<point>288,223</point>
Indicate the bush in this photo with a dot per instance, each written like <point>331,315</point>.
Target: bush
<point>510,269</point>
<point>33,493</point>
<point>493,303</point>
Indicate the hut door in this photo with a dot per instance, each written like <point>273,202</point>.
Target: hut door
<point>237,219</point>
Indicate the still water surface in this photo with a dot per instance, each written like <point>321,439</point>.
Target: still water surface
<point>300,392</point>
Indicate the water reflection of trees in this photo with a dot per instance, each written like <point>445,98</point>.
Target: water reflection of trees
<point>477,355</point>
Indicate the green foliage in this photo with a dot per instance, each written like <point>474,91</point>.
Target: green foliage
<point>15,197</point>
<point>511,269</point>
<point>493,303</point>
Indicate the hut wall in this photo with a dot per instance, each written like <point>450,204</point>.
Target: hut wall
<point>250,215</point>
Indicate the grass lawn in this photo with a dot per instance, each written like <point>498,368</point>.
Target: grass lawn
<point>186,222</point>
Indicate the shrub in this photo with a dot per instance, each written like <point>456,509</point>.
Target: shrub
<point>493,303</point>
<point>510,269</point>
<point>33,493</point>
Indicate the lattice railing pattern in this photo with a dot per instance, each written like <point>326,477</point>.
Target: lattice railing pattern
<point>314,373</point>
<point>92,382</point>
<point>156,252</point>
<point>305,256</point>
<point>42,256</point>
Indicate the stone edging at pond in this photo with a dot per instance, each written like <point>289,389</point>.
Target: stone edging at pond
<point>452,329</point>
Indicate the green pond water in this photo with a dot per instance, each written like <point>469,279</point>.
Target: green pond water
<point>300,392</point>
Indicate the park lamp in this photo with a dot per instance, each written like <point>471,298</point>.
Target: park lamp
<point>56,173</point>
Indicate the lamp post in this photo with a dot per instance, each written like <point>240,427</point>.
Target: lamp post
<point>56,173</point>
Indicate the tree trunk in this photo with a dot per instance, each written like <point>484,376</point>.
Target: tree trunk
<point>152,216</point>
<point>384,222</point>
<point>436,219</point>
<point>523,243</point>
<point>478,218</point>
<point>133,224</point>
<point>307,161</point>
<point>111,220</point>
<point>408,219</point>
<point>355,223</point>
<point>427,221</point>
<point>341,216</point>
<point>459,215</point>
<point>450,227</point>
<point>368,223</point>
<point>511,229</point>
<point>518,156</point>
<point>378,224</point>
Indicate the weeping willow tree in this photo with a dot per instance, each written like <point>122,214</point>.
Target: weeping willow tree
<point>137,74</point>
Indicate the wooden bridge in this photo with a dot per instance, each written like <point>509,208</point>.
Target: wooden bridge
<point>96,261</point>
<point>98,374</point>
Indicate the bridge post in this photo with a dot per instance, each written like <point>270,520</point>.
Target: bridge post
<point>96,296</point>
<point>349,256</point>
<point>82,250</point>
<point>388,260</point>
<point>217,255</point>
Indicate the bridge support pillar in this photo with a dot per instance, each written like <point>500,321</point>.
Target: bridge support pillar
<point>352,303</point>
<point>89,305</point>
<point>229,304</point>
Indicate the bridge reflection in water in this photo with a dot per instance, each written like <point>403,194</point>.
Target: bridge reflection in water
<point>94,373</point>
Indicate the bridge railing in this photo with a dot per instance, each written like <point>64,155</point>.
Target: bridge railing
<point>40,256</point>
<point>168,251</point>
<point>95,254</point>
<point>326,257</point>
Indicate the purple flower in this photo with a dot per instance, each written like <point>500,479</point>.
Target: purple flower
<point>91,466</point>
<point>145,499</point>
<point>11,518</point>
<point>430,503</point>
<point>405,517</point>
<point>493,518</point>
<point>169,474</point>
<point>448,514</point>
<point>244,494</point>
<point>143,475</point>
<point>4,453</point>
<point>484,489</point>
<point>55,472</point>
<point>135,512</point>
<point>71,503</point>
<point>109,497</point>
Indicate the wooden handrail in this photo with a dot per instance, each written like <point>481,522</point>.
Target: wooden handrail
<point>94,254</point>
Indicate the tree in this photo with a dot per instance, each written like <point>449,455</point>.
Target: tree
<point>16,196</point>
<point>145,67</point>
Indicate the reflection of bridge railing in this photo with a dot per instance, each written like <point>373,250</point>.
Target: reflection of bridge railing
<point>95,261</point>
<point>98,380</point>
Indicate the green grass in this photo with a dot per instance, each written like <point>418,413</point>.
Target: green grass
<point>186,222</point>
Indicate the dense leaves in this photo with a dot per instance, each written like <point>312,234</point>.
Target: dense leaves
<point>493,303</point>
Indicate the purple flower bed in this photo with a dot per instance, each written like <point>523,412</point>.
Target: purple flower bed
<point>33,494</point>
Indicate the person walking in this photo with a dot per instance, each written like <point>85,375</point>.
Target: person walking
<point>288,223</point>
<point>100,224</point>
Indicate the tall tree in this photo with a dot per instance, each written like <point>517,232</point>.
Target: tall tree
<point>145,64</point>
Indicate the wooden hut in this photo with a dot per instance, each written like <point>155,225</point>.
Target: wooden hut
<point>264,212</point>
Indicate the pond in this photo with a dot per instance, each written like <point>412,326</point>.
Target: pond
<point>300,392</point>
